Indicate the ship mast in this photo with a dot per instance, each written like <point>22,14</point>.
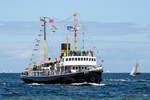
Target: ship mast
<point>44,27</point>
<point>137,70</point>
<point>44,39</point>
<point>67,45</point>
<point>75,31</point>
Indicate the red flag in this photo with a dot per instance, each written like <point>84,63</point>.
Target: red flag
<point>102,61</point>
<point>51,20</point>
<point>41,20</point>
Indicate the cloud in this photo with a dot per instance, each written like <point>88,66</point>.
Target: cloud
<point>93,28</point>
<point>113,29</point>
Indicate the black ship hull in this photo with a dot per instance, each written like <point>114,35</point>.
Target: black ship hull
<point>137,73</point>
<point>94,76</point>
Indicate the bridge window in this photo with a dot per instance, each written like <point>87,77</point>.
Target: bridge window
<point>76,67</point>
<point>84,59</point>
<point>82,67</point>
<point>72,59</point>
<point>73,68</point>
<point>75,59</point>
<point>87,59</point>
<point>78,59</point>
<point>81,59</point>
<point>94,59</point>
<point>66,59</point>
<point>69,59</point>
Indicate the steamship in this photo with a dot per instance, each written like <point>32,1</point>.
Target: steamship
<point>73,66</point>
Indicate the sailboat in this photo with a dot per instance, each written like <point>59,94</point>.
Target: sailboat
<point>73,66</point>
<point>132,72</point>
<point>135,70</point>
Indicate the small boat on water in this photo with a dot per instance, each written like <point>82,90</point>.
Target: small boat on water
<point>135,70</point>
<point>132,73</point>
<point>73,66</point>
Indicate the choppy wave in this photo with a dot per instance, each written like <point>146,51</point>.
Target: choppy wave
<point>126,80</point>
<point>88,84</point>
<point>3,83</point>
<point>36,84</point>
<point>122,80</point>
<point>73,84</point>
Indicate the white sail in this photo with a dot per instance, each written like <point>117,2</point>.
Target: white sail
<point>132,71</point>
<point>137,70</point>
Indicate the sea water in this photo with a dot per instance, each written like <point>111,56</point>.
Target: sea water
<point>115,86</point>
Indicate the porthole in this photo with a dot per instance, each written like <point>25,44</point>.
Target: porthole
<point>75,59</point>
<point>66,59</point>
<point>72,59</point>
<point>78,59</point>
<point>84,59</point>
<point>69,59</point>
<point>89,59</point>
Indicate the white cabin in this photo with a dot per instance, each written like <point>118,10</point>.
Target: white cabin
<point>78,61</point>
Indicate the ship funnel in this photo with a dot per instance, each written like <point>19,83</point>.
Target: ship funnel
<point>64,49</point>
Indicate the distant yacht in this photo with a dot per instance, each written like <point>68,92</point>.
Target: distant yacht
<point>132,73</point>
<point>135,70</point>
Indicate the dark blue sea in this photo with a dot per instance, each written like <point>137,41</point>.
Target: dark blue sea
<point>115,86</point>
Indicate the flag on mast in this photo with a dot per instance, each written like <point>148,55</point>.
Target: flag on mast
<point>70,28</point>
<point>41,20</point>
<point>51,20</point>
<point>102,61</point>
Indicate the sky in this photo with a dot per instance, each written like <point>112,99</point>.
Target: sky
<point>119,29</point>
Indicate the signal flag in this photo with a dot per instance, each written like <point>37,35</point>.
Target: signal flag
<point>51,20</point>
<point>102,61</point>
<point>41,20</point>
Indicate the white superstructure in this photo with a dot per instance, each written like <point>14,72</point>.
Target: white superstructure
<point>78,60</point>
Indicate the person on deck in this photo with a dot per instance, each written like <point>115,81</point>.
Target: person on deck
<point>92,53</point>
<point>49,59</point>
